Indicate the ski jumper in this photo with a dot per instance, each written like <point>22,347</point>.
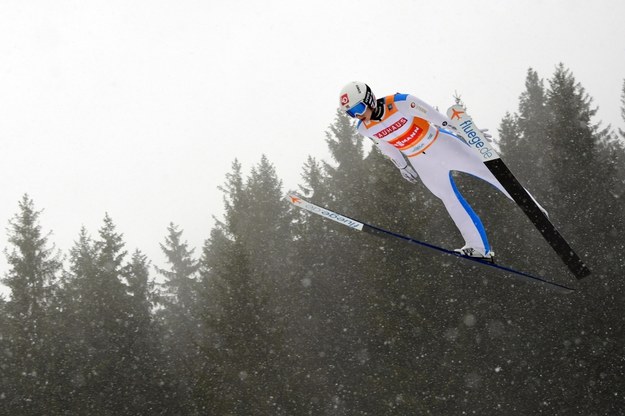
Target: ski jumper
<point>410,131</point>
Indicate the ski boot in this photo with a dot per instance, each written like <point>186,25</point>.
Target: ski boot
<point>476,254</point>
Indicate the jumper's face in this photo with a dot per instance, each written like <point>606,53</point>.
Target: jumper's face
<point>366,116</point>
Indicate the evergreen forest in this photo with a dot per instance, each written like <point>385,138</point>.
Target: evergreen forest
<point>284,313</point>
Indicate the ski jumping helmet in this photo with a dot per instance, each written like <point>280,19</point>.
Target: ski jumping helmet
<point>356,97</point>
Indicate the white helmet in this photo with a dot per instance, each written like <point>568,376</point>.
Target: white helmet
<point>356,97</point>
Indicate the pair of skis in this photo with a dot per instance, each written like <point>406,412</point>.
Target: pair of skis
<point>300,202</point>
<point>465,127</point>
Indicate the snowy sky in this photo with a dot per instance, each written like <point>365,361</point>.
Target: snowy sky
<point>138,108</point>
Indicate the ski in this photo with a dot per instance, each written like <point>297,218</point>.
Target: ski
<point>299,202</point>
<point>465,127</point>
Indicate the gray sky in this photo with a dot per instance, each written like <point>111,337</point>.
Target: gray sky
<point>138,108</point>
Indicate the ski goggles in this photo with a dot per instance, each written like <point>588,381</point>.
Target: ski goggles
<point>357,110</point>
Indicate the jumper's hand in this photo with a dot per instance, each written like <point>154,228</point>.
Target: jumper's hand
<point>409,174</point>
<point>487,135</point>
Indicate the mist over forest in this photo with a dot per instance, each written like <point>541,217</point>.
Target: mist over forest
<point>284,313</point>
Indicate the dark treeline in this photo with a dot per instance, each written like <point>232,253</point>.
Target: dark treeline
<point>281,313</point>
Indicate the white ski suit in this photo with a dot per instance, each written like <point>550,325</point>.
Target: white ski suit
<point>411,131</point>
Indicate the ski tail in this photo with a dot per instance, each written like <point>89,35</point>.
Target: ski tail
<point>357,225</point>
<point>465,127</point>
<point>540,220</point>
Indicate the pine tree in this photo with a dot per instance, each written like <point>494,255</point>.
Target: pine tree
<point>180,326</point>
<point>241,328</point>
<point>152,387</point>
<point>75,297</point>
<point>315,260</point>
<point>578,175</point>
<point>209,394</point>
<point>28,363</point>
<point>523,136</point>
<point>313,177</point>
<point>99,316</point>
<point>180,278</point>
<point>234,202</point>
<point>243,274</point>
<point>349,175</point>
<point>572,136</point>
<point>526,150</point>
<point>267,223</point>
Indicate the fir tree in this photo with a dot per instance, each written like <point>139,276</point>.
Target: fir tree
<point>180,278</point>
<point>180,326</point>
<point>523,137</point>
<point>349,175</point>
<point>266,234</point>
<point>526,149</point>
<point>313,177</point>
<point>99,314</point>
<point>28,333</point>
<point>242,271</point>
<point>576,171</point>
<point>233,191</point>
<point>152,390</point>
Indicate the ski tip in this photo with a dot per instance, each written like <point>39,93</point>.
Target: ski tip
<point>455,112</point>
<point>293,198</point>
